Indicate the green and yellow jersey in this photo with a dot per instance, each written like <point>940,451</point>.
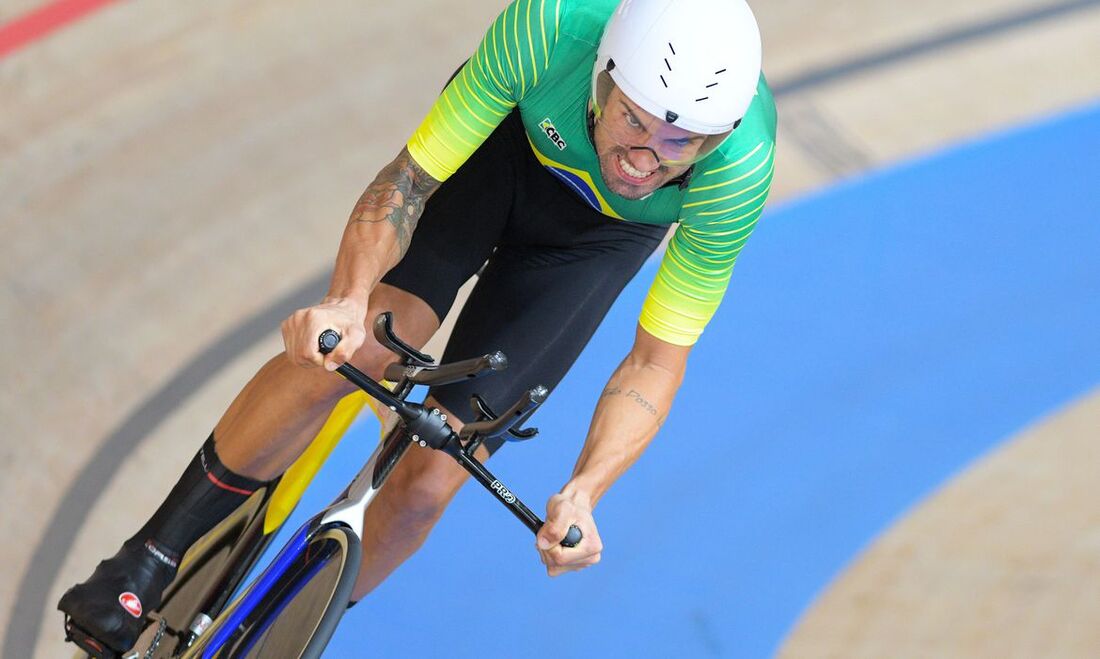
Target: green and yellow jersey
<point>538,55</point>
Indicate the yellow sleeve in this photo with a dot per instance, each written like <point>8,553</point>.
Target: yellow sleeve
<point>723,207</point>
<point>508,62</point>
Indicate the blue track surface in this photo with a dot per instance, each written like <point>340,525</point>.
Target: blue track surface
<point>877,339</point>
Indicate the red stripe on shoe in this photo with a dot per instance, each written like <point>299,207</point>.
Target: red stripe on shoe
<point>215,481</point>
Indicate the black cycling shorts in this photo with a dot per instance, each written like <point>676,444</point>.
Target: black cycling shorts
<point>555,266</point>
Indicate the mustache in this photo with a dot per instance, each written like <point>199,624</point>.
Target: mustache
<point>622,151</point>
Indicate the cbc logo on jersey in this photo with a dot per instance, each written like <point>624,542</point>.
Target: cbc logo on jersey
<point>131,603</point>
<point>547,127</point>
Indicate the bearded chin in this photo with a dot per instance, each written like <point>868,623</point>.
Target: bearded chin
<point>621,187</point>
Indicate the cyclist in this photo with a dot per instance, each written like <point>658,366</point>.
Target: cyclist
<point>553,163</point>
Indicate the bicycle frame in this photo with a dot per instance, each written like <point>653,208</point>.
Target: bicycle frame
<point>247,539</point>
<point>419,424</point>
<point>348,509</point>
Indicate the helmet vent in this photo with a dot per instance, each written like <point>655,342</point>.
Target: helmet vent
<point>701,99</point>
<point>717,72</point>
<point>671,48</point>
<point>663,81</point>
<point>667,64</point>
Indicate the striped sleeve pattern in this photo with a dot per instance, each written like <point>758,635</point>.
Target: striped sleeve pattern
<point>508,62</point>
<point>719,212</point>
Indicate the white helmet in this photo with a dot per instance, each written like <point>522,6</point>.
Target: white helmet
<point>693,63</point>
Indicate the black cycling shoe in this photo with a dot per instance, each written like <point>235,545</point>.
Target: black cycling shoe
<point>105,615</point>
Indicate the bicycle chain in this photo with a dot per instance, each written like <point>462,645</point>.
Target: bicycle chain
<point>162,624</point>
<point>156,639</point>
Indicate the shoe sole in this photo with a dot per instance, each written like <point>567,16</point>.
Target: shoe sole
<point>88,643</point>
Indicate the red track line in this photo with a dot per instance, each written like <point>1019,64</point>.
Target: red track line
<point>38,23</point>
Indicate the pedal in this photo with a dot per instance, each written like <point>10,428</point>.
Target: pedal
<point>145,647</point>
<point>87,642</point>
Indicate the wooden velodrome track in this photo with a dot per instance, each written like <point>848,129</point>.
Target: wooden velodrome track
<point>169,173</point>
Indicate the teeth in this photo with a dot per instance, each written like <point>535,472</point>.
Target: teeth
<point>631,171</point>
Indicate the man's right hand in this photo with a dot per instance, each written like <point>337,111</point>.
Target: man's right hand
<point>301,329</point>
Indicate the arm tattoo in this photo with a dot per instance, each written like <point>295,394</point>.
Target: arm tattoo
<point>645,404</point>
<point>632,395</point>
<point>396,196</point>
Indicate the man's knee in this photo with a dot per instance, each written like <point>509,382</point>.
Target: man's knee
<point>414,321</point>
<point>372,358</point>
<point>422,486</point>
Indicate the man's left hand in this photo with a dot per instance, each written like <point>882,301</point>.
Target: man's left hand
<point>562,512</point>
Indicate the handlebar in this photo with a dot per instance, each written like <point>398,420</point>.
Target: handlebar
<point>572,537</point>
<point>467,369</point>
<point>429,427</point>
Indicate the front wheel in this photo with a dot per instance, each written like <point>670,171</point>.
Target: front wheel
<point>299,614</point>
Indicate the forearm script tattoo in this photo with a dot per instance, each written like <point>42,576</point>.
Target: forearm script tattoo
<point>397,196</point>
<point>631,395</point>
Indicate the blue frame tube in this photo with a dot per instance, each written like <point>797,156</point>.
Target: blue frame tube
<point>301,583</point>
<point>289,553</point>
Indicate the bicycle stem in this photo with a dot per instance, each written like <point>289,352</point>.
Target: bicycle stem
<point>430,428</point>
<point>451,445</point>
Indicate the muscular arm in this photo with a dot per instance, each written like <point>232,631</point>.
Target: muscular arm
<point>381,227</point>
<point>376,237</point>
<point>631,409</point>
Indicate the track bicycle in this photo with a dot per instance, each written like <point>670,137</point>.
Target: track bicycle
<point>292,609</point>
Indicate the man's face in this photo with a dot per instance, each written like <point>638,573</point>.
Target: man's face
<point>634,173</point>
